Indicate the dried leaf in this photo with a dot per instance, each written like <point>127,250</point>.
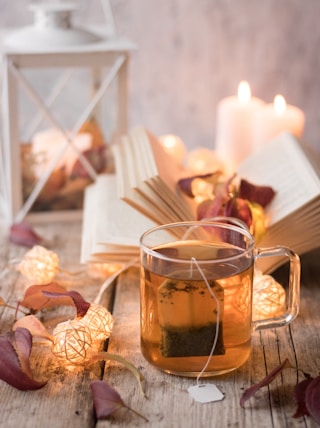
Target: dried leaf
<point>312,399</point>
<point>261,195</point>
<point>79,302</point>
<point>107,400</point>
<point>34,325</point>
<point>23,234</point>
<point>248,393</point>
<point>106,356</point>
<point>36,300</point>
<point>299,394</point>
<point>2,302</point>
<point>15,368</point>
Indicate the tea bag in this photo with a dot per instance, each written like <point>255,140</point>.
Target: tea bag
<point>188,317</point>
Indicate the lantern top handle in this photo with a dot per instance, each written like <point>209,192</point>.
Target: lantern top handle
<point>52,28</point>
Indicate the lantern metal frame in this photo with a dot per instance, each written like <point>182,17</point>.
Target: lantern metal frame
<point>108,54</point>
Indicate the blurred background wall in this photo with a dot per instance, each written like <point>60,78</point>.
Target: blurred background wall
<point>192,53</point>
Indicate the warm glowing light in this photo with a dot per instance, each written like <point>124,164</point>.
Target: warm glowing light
<point>74,341</point>
<point>39,264</point>
<point>71,342</point>
<point>202,190</point>
<point>202,161</point>
<point>279,104</point>
<point>244,92</point>
<point>269,297</point>
<point>174,146</point>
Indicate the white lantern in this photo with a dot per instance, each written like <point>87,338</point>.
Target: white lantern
<point>99,60</point>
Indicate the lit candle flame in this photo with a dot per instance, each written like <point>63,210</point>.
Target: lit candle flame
<point>244,92</point>
<point>279,104</point>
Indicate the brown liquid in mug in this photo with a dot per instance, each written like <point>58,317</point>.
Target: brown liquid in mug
<point>180,319</point>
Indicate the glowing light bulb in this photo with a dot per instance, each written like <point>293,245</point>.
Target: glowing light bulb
<point>39,264</point>
<point>279,104</point>
<point>244,92</point>
<point>174,146</point>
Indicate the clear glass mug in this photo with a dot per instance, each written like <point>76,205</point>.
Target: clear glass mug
<point>196,296</point>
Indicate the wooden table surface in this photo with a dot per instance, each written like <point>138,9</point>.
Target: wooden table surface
<point>66,400</point>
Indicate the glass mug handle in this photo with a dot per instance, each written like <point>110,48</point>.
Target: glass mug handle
<point>293,287</point>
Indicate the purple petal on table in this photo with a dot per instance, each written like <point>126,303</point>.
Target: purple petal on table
<point>106,400</point>
<point>262,195</point>
<point>248,393</point>
<point>299,395</point>
<point>312,399</point>
<point>15,348</point>
<point>80,303</point>
<point>23,234</point>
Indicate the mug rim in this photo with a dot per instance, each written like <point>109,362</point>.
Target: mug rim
<point>216,223</point>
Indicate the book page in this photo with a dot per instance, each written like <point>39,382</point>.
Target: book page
<point>283,165</point>
<point>112,221</point>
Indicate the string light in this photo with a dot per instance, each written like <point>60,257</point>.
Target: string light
<point>39,264</point>
<point>74,341</point>
<point>269,297</point>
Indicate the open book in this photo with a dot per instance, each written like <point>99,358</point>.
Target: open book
<point>118,209</point>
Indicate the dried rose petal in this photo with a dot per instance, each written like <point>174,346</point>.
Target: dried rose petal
<point>81,305</point>
<point>35,299</point>
<point>15,348</point>
<point>248,393</point>
<point>23,234</point>
<point>312,399</point>
<point>262,195</point>
<point>34,325</point>
<point>239,208</point>
<point>106,400</point>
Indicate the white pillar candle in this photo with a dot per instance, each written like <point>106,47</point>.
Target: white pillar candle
<point>234,137</point>
<point>273,119</point>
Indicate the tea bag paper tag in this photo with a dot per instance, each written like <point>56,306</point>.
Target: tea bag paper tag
<point>205,393</point>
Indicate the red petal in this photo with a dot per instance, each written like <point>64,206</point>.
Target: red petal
<point>262,195</point>
<point>15,368</point>
<point>239,208</point>
<point>299,394</point>
<point>23,234</point>
<point>248,393</point>
<point>312,399</point>
<point>81,305</point>
<point>35,299</point>
<point>106,400</point>
<point>208,209</point>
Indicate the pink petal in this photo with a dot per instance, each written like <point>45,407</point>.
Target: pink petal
<point>15,348</point>
<point>106,400</point>
<point>34,325</point>
<point>23,234</point>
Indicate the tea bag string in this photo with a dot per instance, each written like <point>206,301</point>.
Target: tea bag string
<point>194,260</point>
